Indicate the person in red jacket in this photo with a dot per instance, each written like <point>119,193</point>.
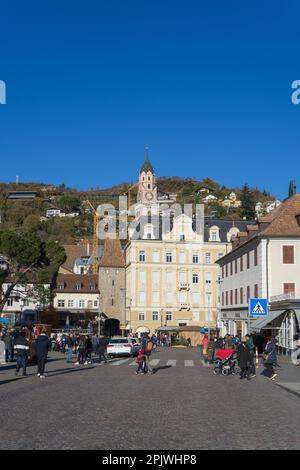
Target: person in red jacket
<point>141,361</point>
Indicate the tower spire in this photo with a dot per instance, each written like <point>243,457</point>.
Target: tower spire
<point>147,165</point>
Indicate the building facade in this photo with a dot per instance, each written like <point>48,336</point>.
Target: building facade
<point>76,295</point>
<point>112,282</point>
<point>171,271</point>
<point>264,263</point>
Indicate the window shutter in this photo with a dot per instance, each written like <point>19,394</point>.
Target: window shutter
<point>288,254</point>
<point>289,288</point>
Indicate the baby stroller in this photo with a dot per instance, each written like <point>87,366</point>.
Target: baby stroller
<point>225,362</point>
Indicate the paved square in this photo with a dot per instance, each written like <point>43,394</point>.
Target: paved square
<point>182,406</point>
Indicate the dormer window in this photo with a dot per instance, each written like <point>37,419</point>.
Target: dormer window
<point>214,234</point>
<point>92,286</point>
<point>61,286</point>
<point>78,286</point>
<point>232,233</point>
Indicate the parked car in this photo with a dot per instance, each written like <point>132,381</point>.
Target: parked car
<point>120,346</point>
<point>136,345</point>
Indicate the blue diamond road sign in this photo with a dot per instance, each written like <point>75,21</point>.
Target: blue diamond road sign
<point>258,308</point>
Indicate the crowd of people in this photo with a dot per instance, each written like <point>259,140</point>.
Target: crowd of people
<point>245,351</point>
<point>87,347</point>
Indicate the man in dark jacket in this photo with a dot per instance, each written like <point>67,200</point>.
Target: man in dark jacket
<point>22,350</point>
<point>41,346</point>
<point>270,358</point>
<point>102,345</point>
<point>147,346</point>
<point>244,359</point>
<point>8,347</point>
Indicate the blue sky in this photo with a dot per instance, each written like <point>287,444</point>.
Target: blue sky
<point>206,85</point>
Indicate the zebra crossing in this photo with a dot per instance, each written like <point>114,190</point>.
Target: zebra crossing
<point>160,362</point>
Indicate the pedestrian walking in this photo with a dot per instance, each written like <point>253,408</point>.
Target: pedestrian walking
<point>244,359</point>
<point>42,346</point>
<point>211,349</point>
<point>89,350</point>
<point>141,361</point>
<point>205,342</point>
<point>270,358</point>
<point>81,358</point>
<point>102,345</point>
<point>8,347</point>
<point>69,346</point>
<point>22,351</point>
<point>147,346</point>
<point>95,343</point>
<point>251,347</point>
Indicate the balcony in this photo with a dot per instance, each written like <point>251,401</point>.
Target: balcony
<point>184,306</point>
<point>184,285</point>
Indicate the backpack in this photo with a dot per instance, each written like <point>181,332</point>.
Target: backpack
<point>149,346</point>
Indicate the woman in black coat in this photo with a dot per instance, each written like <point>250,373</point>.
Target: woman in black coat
<point>244,359</point>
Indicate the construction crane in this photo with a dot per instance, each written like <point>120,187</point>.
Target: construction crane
<point>96,218</point>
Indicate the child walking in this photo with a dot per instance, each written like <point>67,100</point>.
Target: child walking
<point>141,361</point>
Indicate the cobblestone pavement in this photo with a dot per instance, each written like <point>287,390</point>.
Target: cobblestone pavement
<point>182,406</point>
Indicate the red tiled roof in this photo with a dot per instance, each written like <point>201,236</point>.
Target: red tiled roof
<point>112,256</point>
<point>88,283</point>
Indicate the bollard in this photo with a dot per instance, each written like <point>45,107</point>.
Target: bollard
<point>256,358</point>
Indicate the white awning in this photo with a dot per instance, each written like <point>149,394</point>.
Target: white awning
<point>142,329</point>
<point>262,322</point>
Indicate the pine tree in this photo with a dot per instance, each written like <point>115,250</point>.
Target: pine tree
<point>291,189</point>
<point>247,209</point>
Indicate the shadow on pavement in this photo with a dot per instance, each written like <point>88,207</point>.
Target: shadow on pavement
<point>156,369</point>
<point>2,382</point>
<point>67,371</point>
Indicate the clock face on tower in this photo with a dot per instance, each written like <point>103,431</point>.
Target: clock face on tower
<point>149,196</point>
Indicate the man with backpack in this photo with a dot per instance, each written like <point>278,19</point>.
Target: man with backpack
<point>147,346</point>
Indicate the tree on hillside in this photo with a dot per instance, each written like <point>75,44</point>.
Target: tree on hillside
<point>29,259</point>
<point>247,209</point>
<point>291,189</point>
<point>69,203</point>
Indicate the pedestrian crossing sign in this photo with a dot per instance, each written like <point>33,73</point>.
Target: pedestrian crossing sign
<point>258,307</point>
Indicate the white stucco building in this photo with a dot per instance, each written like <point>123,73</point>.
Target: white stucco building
<point>264,263</point>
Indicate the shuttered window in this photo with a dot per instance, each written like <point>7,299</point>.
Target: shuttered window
<point>289,288</point>
<point>241,295</point>
<point>255,257</point>
<point>288,254</point>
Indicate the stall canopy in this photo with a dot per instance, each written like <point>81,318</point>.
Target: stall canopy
<point>263,322</point>
<point>175,329</point>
